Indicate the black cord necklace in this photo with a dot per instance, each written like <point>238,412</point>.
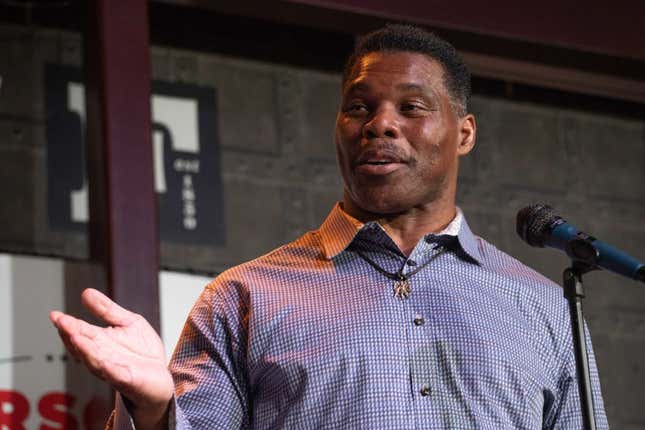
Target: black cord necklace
<point>402,287</point>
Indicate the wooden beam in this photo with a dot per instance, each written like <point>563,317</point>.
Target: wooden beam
<point>558,78</point>
<point>600,27</point>
<point>123,215</point>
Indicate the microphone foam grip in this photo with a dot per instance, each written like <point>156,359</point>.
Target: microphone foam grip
<point>534,223</point>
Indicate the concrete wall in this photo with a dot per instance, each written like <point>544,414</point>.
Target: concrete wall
<point>280,179</point>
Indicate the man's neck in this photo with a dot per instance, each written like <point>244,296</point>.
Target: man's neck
<point>407,228</point>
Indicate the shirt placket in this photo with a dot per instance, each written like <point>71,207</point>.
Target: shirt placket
<point>399,309</point>
<point>419,340</point>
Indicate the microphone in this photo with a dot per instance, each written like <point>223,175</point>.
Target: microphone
<point>538,225</point>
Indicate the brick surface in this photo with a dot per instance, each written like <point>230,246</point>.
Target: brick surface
<point>321,99</point>
<point>17,209</point>
<point>247,98</point>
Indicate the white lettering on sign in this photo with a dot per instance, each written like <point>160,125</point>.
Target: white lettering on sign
<point>179,118</point>
<point>78,198</point>
<point>188,200</point>
<point>190,166</point>
<point>179,115</point>
<point>158,160</point>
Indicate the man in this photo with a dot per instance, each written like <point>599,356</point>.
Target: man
<point>391,315</point>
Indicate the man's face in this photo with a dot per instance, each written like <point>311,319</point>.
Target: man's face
<point>398,139</point>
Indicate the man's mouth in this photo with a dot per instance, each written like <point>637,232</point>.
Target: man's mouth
<point>376,165</point>
<point>379,160</point>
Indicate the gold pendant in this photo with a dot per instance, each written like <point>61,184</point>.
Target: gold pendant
<point>402,288</point>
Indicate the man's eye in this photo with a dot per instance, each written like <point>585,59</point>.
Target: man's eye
<point>356,108</point>
<point>411,107</point>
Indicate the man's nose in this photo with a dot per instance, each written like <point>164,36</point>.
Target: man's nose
<point>383,123</point>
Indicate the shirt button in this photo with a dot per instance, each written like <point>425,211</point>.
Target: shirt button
<point>418,320</point>
<point>411,263</point>
<point>425,391</point>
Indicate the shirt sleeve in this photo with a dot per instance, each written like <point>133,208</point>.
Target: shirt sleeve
<point>567,411</point>
<point>209,362</point>
<point>120,418</point>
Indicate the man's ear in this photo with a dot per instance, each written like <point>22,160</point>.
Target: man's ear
<point>467,133</point>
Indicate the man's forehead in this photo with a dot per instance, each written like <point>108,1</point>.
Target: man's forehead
<point>407,71</point>
<point>361,85</point>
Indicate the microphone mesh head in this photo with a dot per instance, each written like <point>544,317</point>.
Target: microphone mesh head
<point>534,223</point>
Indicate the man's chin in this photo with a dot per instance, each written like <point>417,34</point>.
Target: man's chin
<point>379,204</point>
<point>387,208</point>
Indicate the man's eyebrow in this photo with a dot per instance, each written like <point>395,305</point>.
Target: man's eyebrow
<point>426,91</point>
<point>356,87</point>
<point>411,87</point>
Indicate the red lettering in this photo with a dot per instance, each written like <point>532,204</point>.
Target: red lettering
<point>14,410</point>
<point>55,407</point>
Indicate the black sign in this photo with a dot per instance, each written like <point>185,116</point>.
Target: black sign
<point>186,158</point>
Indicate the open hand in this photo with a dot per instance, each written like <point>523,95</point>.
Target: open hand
<point>128,354</point>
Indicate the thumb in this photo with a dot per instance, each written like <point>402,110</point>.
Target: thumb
<point>106,309</point>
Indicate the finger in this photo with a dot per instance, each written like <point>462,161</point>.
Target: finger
<point>54,316</point>
<point>106,309</point>
<point>71,327</point>
<point>69,346</point>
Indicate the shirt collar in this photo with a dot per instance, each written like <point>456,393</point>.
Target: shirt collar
<point>339,230</point>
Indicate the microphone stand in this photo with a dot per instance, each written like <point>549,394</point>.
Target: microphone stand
<point>584,257</point>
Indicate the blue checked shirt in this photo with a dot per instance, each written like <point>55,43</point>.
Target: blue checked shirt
<point>311,336</point>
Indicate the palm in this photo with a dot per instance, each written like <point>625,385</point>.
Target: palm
<point>127,353</point>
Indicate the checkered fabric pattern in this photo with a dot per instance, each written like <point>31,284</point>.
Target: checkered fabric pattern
<point>310,336</point>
